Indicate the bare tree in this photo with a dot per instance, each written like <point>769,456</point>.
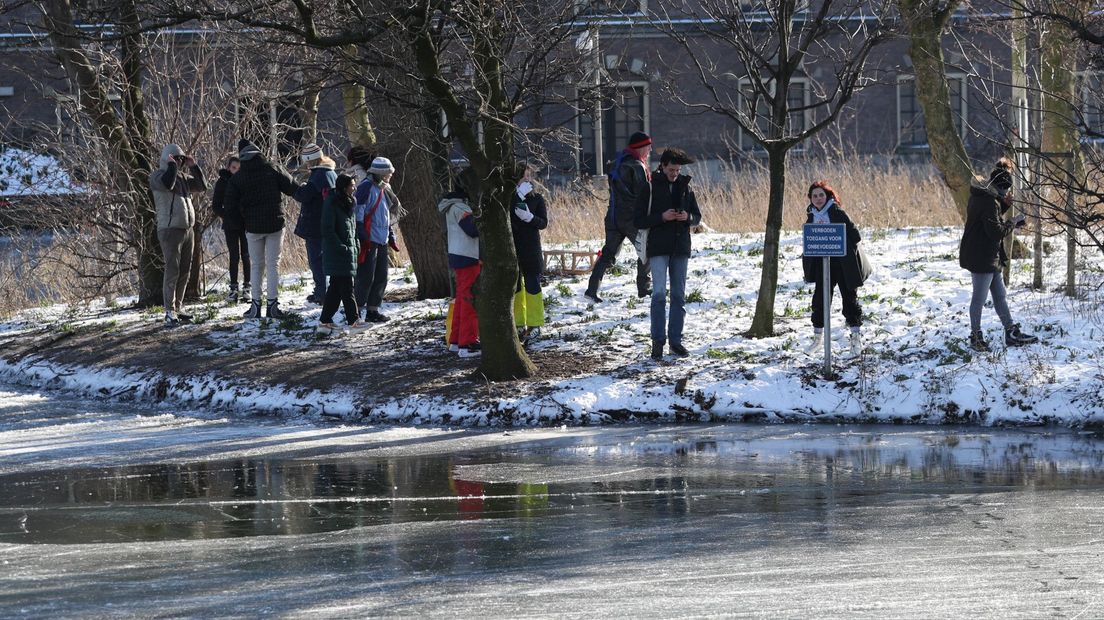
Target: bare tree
<point>771,43</point>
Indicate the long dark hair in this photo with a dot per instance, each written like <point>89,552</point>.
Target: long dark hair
<point>822,184</point>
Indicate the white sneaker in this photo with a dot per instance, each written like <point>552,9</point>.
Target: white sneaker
<point>453,348</point>
<point>856,344</point>
<point>327,329</point>
<point>358,327</point>
<point>472,350</point>
<point>817,344</point>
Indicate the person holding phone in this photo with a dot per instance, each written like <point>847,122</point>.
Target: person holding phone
<point>668,216</point>
<point>981,252</point>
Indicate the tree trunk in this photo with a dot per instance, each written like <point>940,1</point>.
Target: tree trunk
<point>127,145</point>
<point>1060,143</point>
<point>948,153</point>
<point>503,356</point>
<point>357,123</point>
<point>423,228</point>
<point>311,96</point>
<point>762,324</point>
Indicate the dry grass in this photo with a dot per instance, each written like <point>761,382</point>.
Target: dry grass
<point>736,201</point>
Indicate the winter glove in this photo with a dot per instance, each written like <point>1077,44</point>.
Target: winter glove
<point>523,214</point>
<point>523,190</point>
<point>1019,220</point>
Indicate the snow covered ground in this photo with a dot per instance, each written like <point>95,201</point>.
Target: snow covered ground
<point>916,366</point>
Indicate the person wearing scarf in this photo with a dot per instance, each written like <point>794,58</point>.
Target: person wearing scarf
<point>847,272</point>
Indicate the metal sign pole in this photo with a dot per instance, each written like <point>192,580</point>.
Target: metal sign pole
<point>826,279</point>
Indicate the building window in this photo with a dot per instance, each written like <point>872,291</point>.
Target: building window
<point>912,132</point>
<point>754,104</point>
<point>612,7</point>
<point>624,112</point>
<point>1090,102</point>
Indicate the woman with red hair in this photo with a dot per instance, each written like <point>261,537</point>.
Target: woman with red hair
<point>847,272</point>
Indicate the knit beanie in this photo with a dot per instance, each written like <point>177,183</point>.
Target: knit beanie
<point>247,150</point>
<point>639,139</point>
<point>310,152</point>
<point>381,166</point>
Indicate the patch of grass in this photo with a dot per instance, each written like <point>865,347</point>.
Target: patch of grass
<point>291,322</point>
<point>695,297</point>
<point>294,287</point>
<point>738,355</point>
<point>563,289</point>
<point>153,310</point>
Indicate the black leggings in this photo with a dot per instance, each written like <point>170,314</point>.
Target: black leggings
<point>852,311</point>
<point>238,246</point>
<point>339,292</point>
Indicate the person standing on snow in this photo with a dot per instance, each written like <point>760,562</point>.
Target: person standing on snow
<point>848,272</point>
<point>463,259</point>
<point>668,217</point>
<point>234,230</point>
<point>981,252</point>
<point>377,209</point>
<point>629,187</point>
<point>339,254</point>
<point>309,225</point>
<point>256,195</point>
<point>173,184</point>
<point>528,217</point>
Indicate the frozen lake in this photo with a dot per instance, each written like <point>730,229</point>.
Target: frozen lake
<point>109,510</point>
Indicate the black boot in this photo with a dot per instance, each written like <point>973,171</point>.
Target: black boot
<point>254,311</point>
<point>1013,337</point>
<point>679,350</point>
<point>977,341</point>
<point>273,310</point>
<point>657,350</point>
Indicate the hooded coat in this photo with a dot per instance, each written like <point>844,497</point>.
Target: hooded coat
<point>463,236</point>
<point>668,238</point>
<point>629,187</point>
<point>981,250</point>
<point>854,265</point>
<point>338,229</point>
<point>172,190</point>
<point>311,195</point>
<point>256,194</point>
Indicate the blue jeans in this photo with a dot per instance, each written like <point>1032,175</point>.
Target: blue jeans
<point>318,273</point>
<point>661,266</point>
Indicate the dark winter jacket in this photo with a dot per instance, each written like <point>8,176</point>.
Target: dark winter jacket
<point>629,188</point>
<point>338,229</point>
<point>668,238</point>
<point>255,194</point>
<point>854,266</point>
<point>980,250</point>
<point>218,202</point>
<point>527,241</point>
<point>310,196</point>
<point>172,190</point>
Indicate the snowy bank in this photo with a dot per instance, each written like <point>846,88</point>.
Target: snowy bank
<point>915,367</point>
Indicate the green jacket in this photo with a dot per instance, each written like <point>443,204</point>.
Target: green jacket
<point>339,242</point>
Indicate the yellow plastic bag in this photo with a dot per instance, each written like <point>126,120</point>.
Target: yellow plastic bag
<point>448,321</point>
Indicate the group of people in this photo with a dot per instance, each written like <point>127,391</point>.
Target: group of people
<point>248,197</point>
<point>656,212</point>
<point>347,220</point>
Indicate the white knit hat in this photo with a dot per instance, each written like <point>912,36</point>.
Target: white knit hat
<point>381,166</point>
<point>311,152</point>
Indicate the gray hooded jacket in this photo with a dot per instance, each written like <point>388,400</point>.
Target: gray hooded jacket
<point>172,191</point>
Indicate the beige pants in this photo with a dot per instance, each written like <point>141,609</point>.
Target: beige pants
<point>264,258</point>
<point>176,247</point>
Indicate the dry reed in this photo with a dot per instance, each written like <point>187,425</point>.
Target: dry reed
<point>735,201</point>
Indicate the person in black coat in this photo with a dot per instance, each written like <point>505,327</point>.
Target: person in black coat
<point>667,217</point>
<point>629,187</point>
<point>256,195</point>
<point>234,230</point>
<point>337,228</point>
<point>847,273</point>
<point>981,252</point>
<point>528,218</point>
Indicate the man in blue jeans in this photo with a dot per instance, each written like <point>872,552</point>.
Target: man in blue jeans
<point>668,217</point>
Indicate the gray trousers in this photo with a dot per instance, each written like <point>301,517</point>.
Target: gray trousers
<point>176,247</point>
<point>984,284</point>
<point>264,257</point>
